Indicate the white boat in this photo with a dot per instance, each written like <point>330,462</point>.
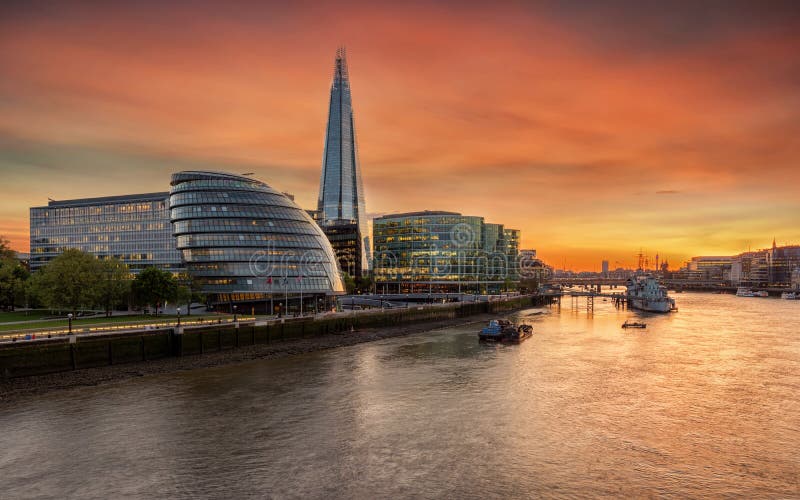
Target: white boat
<point>761,293</point>
<point>789,296</point>
<point>645,294</point>
<point>743,291</point>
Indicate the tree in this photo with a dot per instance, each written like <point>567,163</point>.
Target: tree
<point>71,281</point>
<point>115,285</point>
<point>5,249</point>
<point>349,283</point>
<point>13,281</point>
<point>189,290</point>
<point>153,286</point>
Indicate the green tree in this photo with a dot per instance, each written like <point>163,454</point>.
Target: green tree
<point>189,290</point>
<point>115,286</point>
<point>13,282</point>
<point>5,249</point>
<point>153,286</point>
<point>349,283</point>
<point>71,281</point>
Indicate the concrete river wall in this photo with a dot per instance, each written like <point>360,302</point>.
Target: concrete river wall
<point>23,359</point>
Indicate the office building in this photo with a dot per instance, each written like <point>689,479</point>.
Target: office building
<point>133,228</point>
<point>443,252</point>
<point>245,242</point>
<point>341,209</point>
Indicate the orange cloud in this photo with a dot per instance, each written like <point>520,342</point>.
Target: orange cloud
<point>545,119</point>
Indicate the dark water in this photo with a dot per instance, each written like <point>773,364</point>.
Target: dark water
<point>703,402</point>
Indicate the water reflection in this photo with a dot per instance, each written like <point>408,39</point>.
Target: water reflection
<point>702,402</point>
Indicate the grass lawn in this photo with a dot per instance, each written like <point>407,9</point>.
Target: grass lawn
<point>32,315</point>
<point>76,323</point>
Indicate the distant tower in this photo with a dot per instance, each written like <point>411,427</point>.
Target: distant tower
<point>341,208</point>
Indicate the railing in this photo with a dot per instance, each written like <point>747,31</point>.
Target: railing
<point>38,333</point>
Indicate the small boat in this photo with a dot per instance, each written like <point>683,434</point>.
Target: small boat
<point>501,330</point>
<point>523,333</point>
<point>743,291</point>
<point>789,296</point>
<point>633,324</point>
<point>761,293</point>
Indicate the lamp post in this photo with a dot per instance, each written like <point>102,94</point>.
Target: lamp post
<point>179,316</point>
<point>234,313</point>
<point>69,317</point>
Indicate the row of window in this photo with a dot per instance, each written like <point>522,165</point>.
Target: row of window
<point>265,212</point>
<point>241,197</point>
<point>259,240</point>
<point>263,272</point>
<point>233,225</point>
<point>215,184</point>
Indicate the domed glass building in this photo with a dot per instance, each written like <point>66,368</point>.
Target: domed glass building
<point>245,243</point>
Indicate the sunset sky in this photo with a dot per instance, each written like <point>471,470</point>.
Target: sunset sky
<point>597,128</point>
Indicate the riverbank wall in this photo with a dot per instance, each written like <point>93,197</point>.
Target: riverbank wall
<point>65,354</point>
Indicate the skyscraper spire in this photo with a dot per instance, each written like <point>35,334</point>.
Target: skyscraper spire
<point>341,191</point>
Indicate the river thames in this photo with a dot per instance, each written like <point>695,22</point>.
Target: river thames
<point>704,402</point>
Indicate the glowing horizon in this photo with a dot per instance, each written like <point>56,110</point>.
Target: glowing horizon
<point>595,130</point>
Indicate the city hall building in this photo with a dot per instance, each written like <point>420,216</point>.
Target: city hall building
<point>132,228</point>
<point>244,242</point>
<point>443,252</point>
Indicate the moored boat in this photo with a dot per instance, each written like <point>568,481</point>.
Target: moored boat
<point>761,293</point>
<point>500,330</point>
<point>743,291</point>
<point>645,294</point>
<point>789,296</point>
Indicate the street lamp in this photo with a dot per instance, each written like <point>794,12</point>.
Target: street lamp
<point>69,316</point>
<point>179,316</point>
<point>234,313</point>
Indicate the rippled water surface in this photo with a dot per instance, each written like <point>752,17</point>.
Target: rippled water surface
<point>703,402</point>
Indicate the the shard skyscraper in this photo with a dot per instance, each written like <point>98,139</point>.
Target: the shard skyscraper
<point>340,210</point>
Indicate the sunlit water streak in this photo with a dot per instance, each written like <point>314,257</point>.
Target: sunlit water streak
<point>703,402</point>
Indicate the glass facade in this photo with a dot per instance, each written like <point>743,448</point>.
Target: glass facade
<point>442,252</point>
<point>244,241</point>
<point>341,191</point>
<point>133,228</point>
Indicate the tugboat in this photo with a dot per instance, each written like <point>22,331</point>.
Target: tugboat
<point>501,330</point>
<point>644,293</point>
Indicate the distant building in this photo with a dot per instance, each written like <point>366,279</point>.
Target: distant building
<point>133,228</point>
<point>531,268</point>
<point>710,268</point>
<point>796,278</point>
<point>341,208</point>
<point>443,252</point>
<point>604,267</point>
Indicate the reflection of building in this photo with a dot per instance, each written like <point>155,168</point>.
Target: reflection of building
<point>243,241</point>
<point>133,228</point>
<point>443,252</point>
<point>341,204</point>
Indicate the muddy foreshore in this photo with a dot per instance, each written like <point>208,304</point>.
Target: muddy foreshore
<point>30,386</point>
